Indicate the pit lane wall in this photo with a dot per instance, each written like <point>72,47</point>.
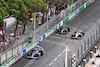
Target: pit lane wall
<point>39,40</point>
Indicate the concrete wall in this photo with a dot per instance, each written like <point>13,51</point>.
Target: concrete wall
<point>15,51</point>
<point>9,54</point>
<point>19,48</point>
<point>6,56</point>
<point>3,58</point>
<point>24,45</point>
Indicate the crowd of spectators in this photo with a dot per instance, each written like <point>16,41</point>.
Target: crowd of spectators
<point>7,42</point>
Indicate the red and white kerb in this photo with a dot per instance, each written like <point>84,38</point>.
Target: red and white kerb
<point>73,59</point>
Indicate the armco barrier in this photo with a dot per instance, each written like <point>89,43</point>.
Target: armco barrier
<point>41,38</point>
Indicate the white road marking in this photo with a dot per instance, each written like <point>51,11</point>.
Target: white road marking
<point>64,51</point>
<point>78,42</point>
<point>55,59</point>
<point>59,55</point>
<point>30,62</point>
<point>47,40</point>
<point>50,63</point>
<point>55,37</point>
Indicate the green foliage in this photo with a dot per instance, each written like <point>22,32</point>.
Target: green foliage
<point>3,8</point>
<point>18,9</point>
<point>3,11</point>
<point>1,21</point>
<point>35,5</point>
<point>60,1</point>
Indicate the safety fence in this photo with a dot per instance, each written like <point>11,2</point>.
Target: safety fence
<point>14,53</point>
<point>86,44</point>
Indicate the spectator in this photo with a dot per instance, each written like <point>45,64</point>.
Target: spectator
<point>39,21</point>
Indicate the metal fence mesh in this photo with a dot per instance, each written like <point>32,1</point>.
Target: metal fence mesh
<point>44,28</point>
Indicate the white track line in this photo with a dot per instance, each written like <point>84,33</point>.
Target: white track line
<point>57,57</point>
<point>50,63</point>
<point>31,61</point>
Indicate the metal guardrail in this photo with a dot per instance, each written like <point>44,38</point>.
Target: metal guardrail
<point>19,46</point>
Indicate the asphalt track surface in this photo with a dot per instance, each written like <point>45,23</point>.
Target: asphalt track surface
<point>52,49</point>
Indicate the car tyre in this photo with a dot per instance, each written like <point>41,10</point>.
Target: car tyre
<point>41,53</point>
<point>37,58</point>
<point>83,33</point>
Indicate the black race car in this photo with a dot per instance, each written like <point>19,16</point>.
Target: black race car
<point>63,30</point>
<point>77,35</point>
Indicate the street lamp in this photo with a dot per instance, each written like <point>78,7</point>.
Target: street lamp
<point>34,23</point>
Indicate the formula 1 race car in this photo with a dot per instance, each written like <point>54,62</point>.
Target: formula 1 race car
<point>77,35</point>
<point>63,30</point>
<point>35,53</point>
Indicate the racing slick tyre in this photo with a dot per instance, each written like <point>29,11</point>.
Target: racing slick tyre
<point>29,53</point>
<point>25,56</point>
<point>74,32</point>
<point>72,36</point>
<point>36,55</point>
<point>37,58</point>
<point>41,53</point>
<point>68,29</point>
<point>79,36</point>
<point>83,33</point>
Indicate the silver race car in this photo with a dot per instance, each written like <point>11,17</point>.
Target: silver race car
<point>63,30</point>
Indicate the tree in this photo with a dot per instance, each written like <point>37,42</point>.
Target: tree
<point>18,9</point>
<point>3,12</point>
<point>1,21</point>
<point>36,6</point>
<point>43,8</point>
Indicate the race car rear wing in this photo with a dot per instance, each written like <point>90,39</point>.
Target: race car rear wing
<point>80,30</point>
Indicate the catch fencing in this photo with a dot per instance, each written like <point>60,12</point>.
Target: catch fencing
<point>16,51</point>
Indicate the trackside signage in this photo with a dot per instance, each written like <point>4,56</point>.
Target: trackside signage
<point>9,62</point>
<point>78,10</point>
<point>72,15</point>
<point>22,53</point>
<point>41,38</point>
<point>32,45</point>
<point>49,32</point>
<point>61,23</point>
<point>84,5</point>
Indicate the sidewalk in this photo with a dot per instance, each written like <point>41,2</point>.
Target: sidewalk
<point>95,59</point>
